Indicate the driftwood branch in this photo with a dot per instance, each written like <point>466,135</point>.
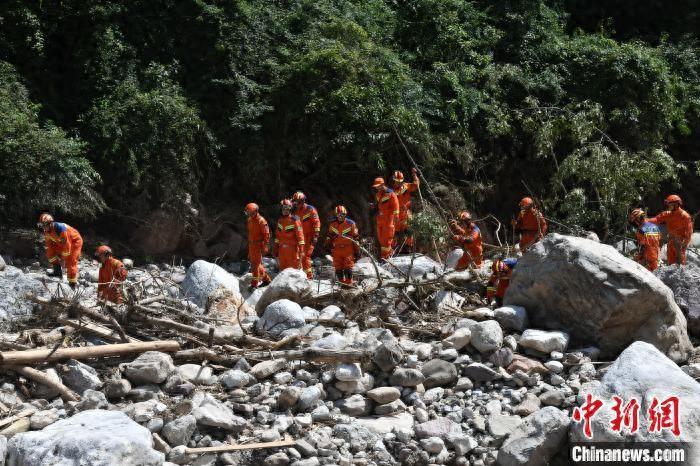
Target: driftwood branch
<point>314,355</point>
<point>288,441</point>
<point>39,377</point>
<point>37,356</point>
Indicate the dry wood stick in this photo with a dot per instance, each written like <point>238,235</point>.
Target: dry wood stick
<point>37,376</point>
<point>35,356</point>
<point>288,441</point>
<point>20,415</point>
<point>96,329</point>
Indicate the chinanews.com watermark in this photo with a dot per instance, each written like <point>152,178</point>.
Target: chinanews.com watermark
<point>603,454</point>
<point>661,417</point>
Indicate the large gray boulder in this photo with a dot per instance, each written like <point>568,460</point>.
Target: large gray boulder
<point>685,284</point>
<point>91,438</point>
<point>14,286</point>
<point>149,367</point>
<point>642,372</point>
<point>203,278</point>
<point>421,266</point>
<point>289,284</point>
<point>599,296</point>
<point>280,316</point>
<point>536,440</point>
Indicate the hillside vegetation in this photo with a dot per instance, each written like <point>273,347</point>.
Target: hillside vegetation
<point>132,106</point>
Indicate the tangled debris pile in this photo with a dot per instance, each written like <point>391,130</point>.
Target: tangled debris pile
<point>409,367</point>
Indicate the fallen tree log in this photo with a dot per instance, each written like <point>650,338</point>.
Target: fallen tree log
<point>314,355</point>
<point>36,356</point>
<point>39,377</point>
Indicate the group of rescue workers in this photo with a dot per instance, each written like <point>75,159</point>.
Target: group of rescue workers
<point>299,227</point>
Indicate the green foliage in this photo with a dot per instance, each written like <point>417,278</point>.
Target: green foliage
<point>428,226</point>
<point>40,166</point>
<point>149,139</point>
<point>591,109</point>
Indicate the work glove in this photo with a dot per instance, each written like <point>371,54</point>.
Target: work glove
<point>314,240</point>
<point>72,285</point>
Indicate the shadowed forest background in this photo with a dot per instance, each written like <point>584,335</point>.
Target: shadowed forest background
<point>122,115</point>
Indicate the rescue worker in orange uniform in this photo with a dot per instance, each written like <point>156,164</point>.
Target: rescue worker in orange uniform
<point>342,240</point>
<point>258,244</point>
<point>112,275</point>
<point>387,211</point>
<point>311,225</point>
<point>467,234</point>
<point>63,243</point>
<point>501,271</point>
<point>530,224</point>
<point>403,192</point>
<point>679,226</point>
<point>289,239</point>
<point>648,240</point>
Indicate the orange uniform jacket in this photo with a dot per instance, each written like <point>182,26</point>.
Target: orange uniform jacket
<point>532,227</point>
<point>500,280</point>
<point>64,242</point>
<point>648,245</point>
<point>340,238</point>
<point>387,215</point>
<point>112,275</point>
<point>311,225</point>
<point>471,242</point>
<point>258,241</point>
<point>289,242</point>
<point>403,193</point>
<point>679,225</point>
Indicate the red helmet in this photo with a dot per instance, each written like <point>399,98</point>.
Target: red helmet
<point>673,198</point>
<point>379,181</point>
<point>341,210</point>
<point>636,215</point>
<point>465,216</point>
<point>299,197</point>
<point>526,202</point>
<point>286,204</point>
<point>251,208</point>
<point>44,220</point>
<point>398,176</point>
<point>102,250</point>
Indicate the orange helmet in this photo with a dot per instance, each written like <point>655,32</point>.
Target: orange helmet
<point>526,202</point>
<point>101,250</point>
<point>251,208</point>
<point>636,215</point>
<point>398,176</point>
<point>299,197</point>
<point>673,198</point>
<point>498,266</point>
<point>286,204</point>
<point>465,216</point>
<point>341,210</point>
<point>378,182</point>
